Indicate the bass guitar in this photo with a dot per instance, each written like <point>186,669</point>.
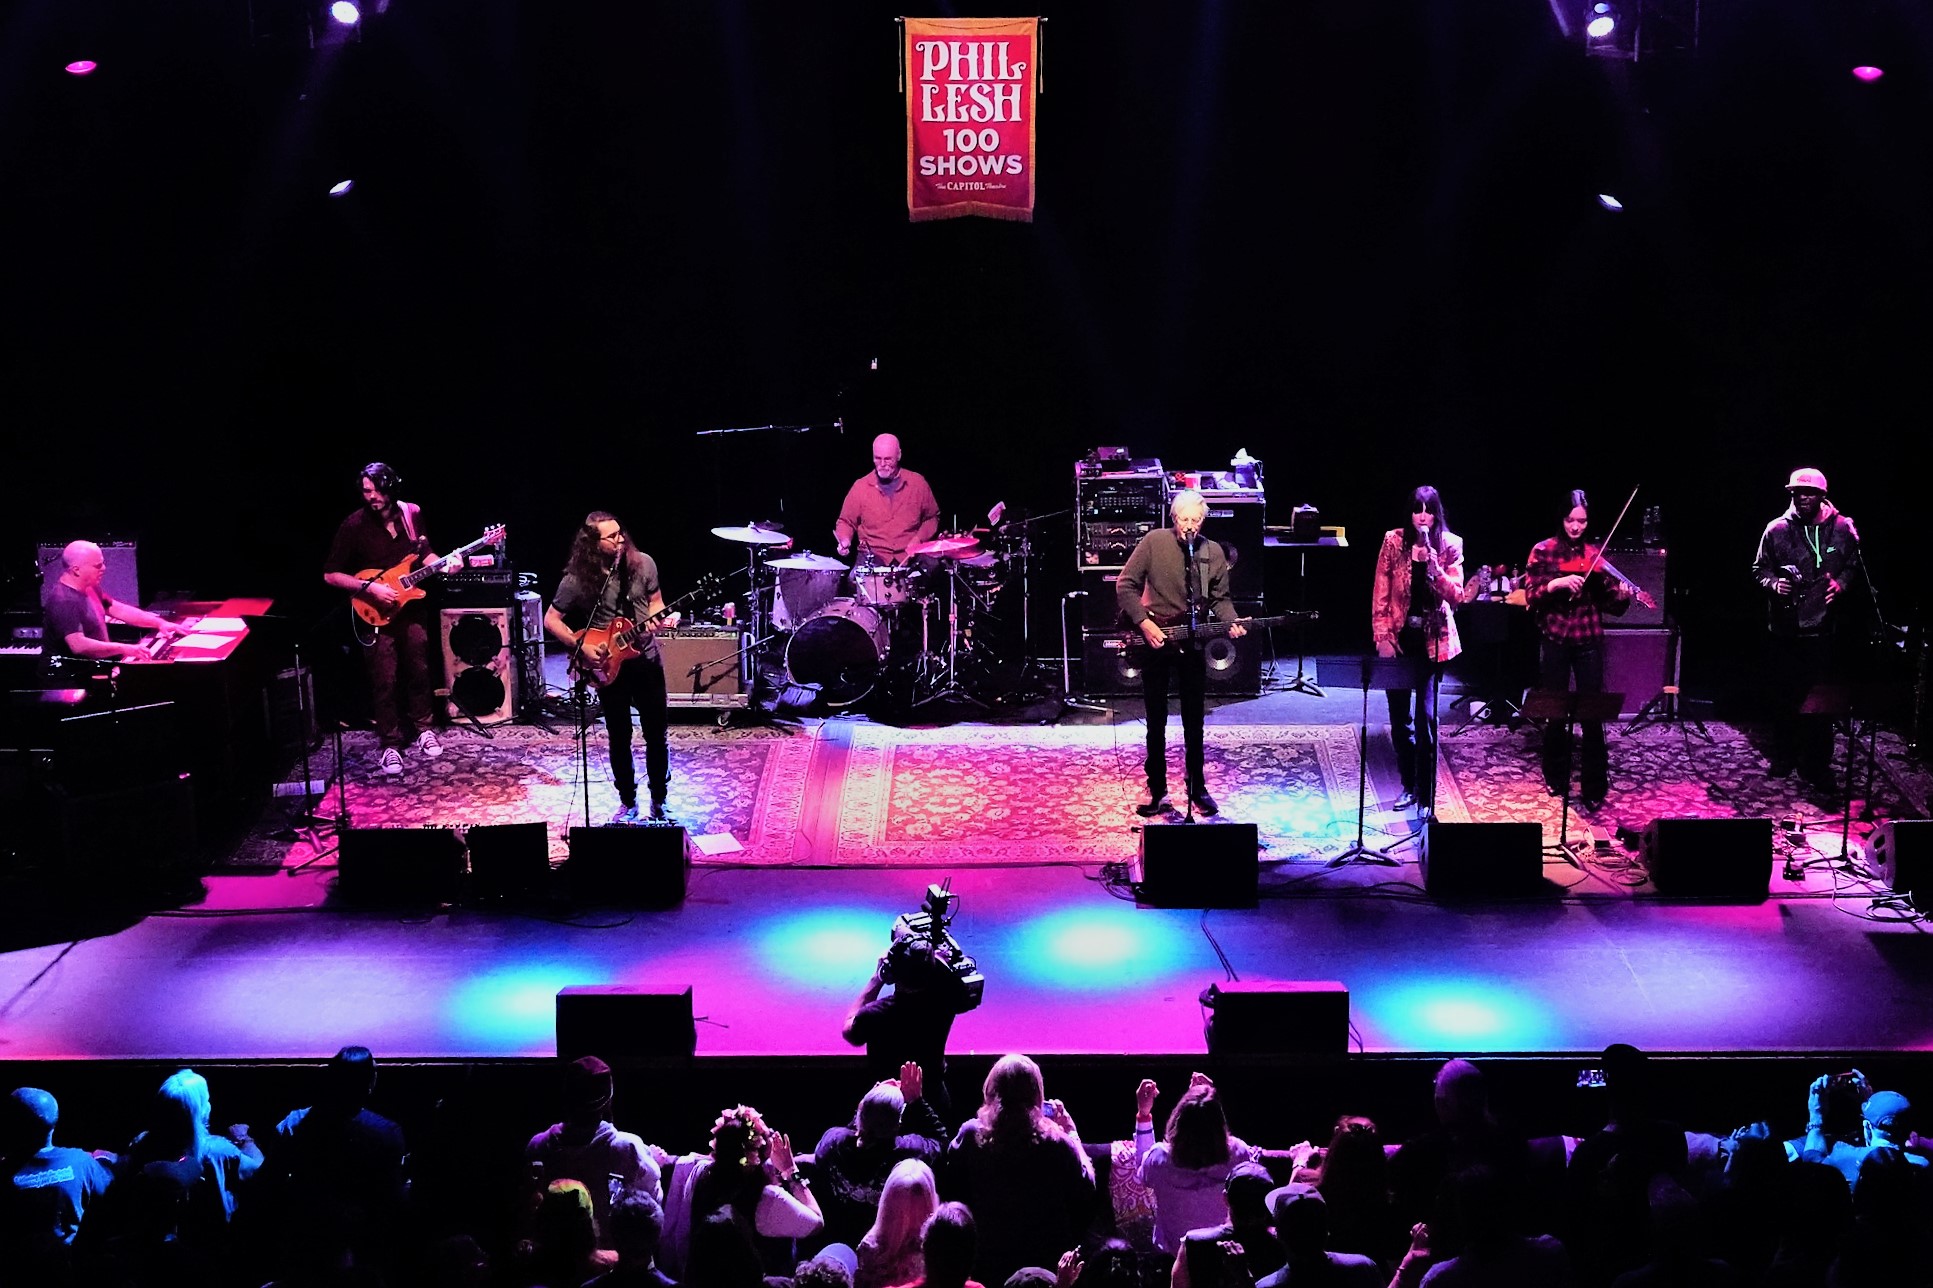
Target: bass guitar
<point>601,652</point>
<point>406,579</point>
<point>1182,632</point>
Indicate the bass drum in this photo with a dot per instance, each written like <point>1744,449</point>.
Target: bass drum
<point>840,652</point>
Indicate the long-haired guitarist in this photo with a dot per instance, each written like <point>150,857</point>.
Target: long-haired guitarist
<point>606,579</point>
<point>1806,561</point>
<point>385,532</point>
<point>1171,569</point>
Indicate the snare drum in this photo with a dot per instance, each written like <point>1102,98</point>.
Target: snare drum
<point>882,583</point>
<point>841,651</point>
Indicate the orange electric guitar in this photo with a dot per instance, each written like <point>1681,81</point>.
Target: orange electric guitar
<point>601,652</point>
<point>406,578</point>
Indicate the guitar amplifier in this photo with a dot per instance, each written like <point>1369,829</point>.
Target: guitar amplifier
<point>708,667</point>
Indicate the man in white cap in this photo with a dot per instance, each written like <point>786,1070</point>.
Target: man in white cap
<point>1806,561</point>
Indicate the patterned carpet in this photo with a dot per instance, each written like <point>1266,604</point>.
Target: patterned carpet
<point>968,796</point>
<point>749,782</point>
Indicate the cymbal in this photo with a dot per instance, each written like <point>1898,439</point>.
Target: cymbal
<point>807,562</point>
<point>947,547</point>
<point>753,536</point>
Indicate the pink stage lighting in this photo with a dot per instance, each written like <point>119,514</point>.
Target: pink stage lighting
<point>345,13</point>
<point>82,66</point>
<point>1866,73</point>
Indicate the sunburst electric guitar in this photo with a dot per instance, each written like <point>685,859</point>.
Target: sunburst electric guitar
<point>406,579</point>
<point>602,651</point>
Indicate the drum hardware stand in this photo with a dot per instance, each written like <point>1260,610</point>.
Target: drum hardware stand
<point>951,688</point>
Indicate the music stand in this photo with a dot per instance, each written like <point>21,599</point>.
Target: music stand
<point>1851,703</point>
<point>1378,673</point>
<point>1572,708</point>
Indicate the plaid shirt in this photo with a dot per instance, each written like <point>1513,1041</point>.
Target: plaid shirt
<point>1561,616</point>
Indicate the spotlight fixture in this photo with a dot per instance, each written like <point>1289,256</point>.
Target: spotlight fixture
<point>1602,21</point>
<point>1609,202</point>
<point>80,67</point>
<point>1866,73</point>
<point>344,13</point>
<point>342,189</point>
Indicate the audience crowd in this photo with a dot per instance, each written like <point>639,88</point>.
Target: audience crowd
<point>1010,1197</point>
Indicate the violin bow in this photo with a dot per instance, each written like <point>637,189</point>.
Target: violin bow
<point>1596,558</point>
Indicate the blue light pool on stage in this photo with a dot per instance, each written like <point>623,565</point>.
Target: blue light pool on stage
<point>515,1009</point>
<point>1466,1014</point>
<point>1095,948</point>
<point>825,945</point>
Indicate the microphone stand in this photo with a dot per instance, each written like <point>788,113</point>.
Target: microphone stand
<point>1067,700</point>
<point>341,823</point>
<point>581,688</point>
<point>1186,658</point>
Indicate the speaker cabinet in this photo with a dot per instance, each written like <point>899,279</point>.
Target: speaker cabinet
<point>1110,666</point>
<point>399,866</point>
<point>125,839</point>
<point>1482,860</point>
<point>1637,664</point>
<point>1237,526</point>
<point>122,581</point>
<point>1278,1017</point>
<point>1902,850</point>
<point>1100,610</point>
<point>480,660</point>
<point>1199,865</point>
<point>705,667</point>
<point>1719,860</point>
<point>1645,566</point>
<point>509,862</point>
<point>618,1022</point>
<point>642,867</point>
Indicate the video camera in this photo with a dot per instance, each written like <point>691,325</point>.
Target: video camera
<point>922,936</point>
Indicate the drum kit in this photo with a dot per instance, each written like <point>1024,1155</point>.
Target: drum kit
<point>915,628</point>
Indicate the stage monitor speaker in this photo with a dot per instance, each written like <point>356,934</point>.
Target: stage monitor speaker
<point>705,666</point>
<point>1110,666</point>
<point>1277,1017</point>
<point>399,866</point>
<point>509,862</point>
<point>618,1022</point>
<point>1902,850</point>
<point>1482,860</point>
<point>1636,664</point>
<point>1199,865</point>
<point>122,580</point>
<point>1237,526</point>
<point>479,663</point>
<point>1719,860</point>
<point>643,866</point>
<point>1645,566</point>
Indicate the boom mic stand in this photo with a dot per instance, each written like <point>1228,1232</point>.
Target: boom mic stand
<point>1383,674</point>
<point>1550,705</point>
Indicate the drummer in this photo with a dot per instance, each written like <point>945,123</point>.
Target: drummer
<point>887,511</point>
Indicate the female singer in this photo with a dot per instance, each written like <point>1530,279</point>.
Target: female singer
<point>1569,608</point>
<point>1419,580</point>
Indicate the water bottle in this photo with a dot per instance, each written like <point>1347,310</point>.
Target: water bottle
<point>730,612</point>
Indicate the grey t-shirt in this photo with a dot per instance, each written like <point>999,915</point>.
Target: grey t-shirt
<point>64,611</point>
<point>628,593</point>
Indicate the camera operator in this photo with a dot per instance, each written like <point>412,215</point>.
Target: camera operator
<point>910,1023</point>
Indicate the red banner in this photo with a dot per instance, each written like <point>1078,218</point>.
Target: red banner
<point>970,117</point>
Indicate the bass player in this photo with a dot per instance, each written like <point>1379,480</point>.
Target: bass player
<point>385,532</point>
<point>1174,573</point>
<point>608,578</point>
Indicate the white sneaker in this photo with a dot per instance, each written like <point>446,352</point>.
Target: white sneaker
<point>426,745</point>
<point>392,761</point>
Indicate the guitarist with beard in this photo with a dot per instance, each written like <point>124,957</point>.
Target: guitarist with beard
<point>608,577</point>
<point>1176,577</point>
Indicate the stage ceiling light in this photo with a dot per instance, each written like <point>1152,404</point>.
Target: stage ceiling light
<point>345,13</point>
<point>1609,202</point>
<point>1602,22</point>
<point>342,189</point>
<point>80,67</point>
<point>1868,74</point>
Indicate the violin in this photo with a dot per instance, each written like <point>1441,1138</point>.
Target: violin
<point>1590,559</point>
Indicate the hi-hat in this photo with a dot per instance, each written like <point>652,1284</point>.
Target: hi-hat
<point>947,547</point>
<point>753,536</point>
<point>807,562</point>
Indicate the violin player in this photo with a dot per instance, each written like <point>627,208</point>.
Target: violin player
<point>1570,589</point>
